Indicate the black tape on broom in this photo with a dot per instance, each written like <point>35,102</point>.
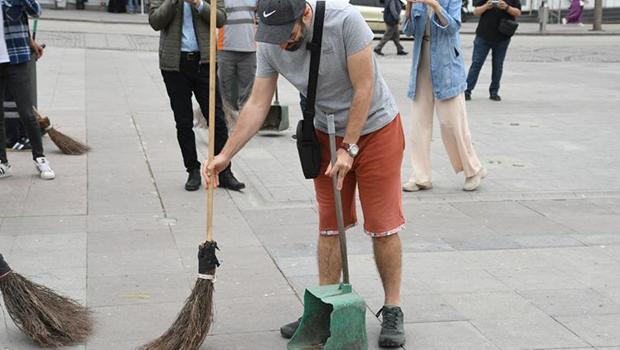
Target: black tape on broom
<point>207,261</point>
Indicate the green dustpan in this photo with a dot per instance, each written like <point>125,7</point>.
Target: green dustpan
<point>334,316</point>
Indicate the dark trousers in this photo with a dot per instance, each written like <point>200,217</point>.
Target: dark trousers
<point>193,78</point>
<point>392,32</point>
<point>16,79</point>
<point>481,50</point>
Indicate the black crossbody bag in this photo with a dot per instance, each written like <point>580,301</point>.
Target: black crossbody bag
<point>507,26</point>
<point>307,142</point>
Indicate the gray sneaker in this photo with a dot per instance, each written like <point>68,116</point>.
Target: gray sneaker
<point>392,327</point>
<point>288,330</point>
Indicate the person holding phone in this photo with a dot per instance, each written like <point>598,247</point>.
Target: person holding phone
<point>184,64</point>
<point>437,82</point>
<point>495,28</point>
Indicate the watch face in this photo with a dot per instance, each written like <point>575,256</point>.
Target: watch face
<point>353,150</point>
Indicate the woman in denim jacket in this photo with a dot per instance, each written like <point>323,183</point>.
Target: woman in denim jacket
<point>436,83</point>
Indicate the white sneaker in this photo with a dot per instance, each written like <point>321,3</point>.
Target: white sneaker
<point>44,168</point>
<point>5,170</point>
<point>564,21</point>
<point>412,186</point>
<point>472,182</point>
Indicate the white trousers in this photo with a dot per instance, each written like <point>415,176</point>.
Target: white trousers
<point>452,115</point>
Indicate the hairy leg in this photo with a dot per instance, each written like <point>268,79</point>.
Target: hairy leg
<point>388,256</point>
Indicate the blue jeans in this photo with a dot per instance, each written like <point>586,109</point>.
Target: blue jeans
<point>132,5</point>
<point>481,50</point>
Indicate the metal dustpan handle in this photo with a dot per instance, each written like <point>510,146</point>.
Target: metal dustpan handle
<point>277,101</point>
<point>331,128</point>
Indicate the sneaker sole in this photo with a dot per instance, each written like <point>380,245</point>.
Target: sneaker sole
<point>482,176</point>
<point>411,189</point>
<point>418,188</point>
<point>386,343</point>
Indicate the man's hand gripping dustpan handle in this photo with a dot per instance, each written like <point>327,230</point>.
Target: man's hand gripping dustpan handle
<point>331,128</point>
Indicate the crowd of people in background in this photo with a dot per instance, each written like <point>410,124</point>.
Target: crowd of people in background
<point>184,31</point>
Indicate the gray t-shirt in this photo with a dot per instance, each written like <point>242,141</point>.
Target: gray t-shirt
<point>344,33</point>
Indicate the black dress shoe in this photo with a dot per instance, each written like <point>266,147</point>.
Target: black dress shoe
<point>402,53</point>
<point>228,180</point>
<point>193,180</point>
<point>378,51</point>
<point>467,96</point>
<point>495,98</point>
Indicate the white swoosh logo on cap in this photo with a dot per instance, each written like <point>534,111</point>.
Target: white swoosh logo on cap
<point>265,14</point>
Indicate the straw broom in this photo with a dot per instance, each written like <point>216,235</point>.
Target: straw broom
<point>194,320</point>
<point>66,144</point>
<point>49,319</point>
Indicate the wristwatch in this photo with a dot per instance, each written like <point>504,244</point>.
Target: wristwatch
<point>351,148</point>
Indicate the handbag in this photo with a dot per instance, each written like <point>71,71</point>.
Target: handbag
<point>407,26</point>
<point>507,26</point>
<point>307,142</point>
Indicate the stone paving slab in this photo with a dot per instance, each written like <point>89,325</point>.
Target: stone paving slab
<point>447,335</point>
<point>528,333</point>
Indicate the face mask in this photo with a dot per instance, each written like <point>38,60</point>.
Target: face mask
<point>297,44</point>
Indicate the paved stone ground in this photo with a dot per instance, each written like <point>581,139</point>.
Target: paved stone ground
<point>531,261</point>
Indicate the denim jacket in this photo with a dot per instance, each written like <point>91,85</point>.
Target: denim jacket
<point>447,65</point>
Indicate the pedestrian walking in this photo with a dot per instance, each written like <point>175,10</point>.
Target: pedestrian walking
<point>183,60</point>
<point>16,50</point>
<point>496,26</point>
<point>132,6</point>
<point>368,126</point>
<point>436,84</point>
<point>575,12</point>
<point>391,17</point>
<point>237,53</point>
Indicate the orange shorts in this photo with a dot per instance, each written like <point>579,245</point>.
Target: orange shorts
<point>376,172</point>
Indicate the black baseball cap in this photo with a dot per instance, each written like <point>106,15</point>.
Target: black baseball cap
<point>277,18</point>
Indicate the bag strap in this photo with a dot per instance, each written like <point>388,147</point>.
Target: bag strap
<point>315,59</point>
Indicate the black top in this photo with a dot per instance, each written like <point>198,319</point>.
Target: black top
<point>489,21</point>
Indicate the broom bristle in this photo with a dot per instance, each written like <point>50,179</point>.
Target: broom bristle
<point>192,324</point>
<point>66,144</point>
<point>49,319</point>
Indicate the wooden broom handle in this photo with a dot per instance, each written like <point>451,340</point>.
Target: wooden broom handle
<point>212,75</point>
